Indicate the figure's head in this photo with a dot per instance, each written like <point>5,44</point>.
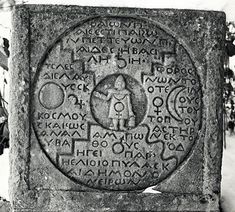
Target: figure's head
<point>120,83</point>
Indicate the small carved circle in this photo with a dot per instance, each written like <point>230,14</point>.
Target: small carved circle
<point>119,106</point>
<point>51,95</point>
<point>157,102</point>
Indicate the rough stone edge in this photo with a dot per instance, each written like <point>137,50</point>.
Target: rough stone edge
<point>107,9</point>
<point>51,201</point>
<point>213,100</point>
<point>19,106</point>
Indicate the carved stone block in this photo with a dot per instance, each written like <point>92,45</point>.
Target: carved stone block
<point>106,102</point>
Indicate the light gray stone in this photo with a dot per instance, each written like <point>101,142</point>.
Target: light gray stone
<point>4,205</point>
<point>106,102</point>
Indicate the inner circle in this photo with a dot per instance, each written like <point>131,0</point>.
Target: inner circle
<point>119,106</point>
<point>51,95</point>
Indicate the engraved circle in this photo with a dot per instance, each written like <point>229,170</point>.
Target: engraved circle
<point>157,102</point>
<point>51,95</point>
<point>119,106</point>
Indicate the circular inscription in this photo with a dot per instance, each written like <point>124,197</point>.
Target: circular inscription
<point>117,103</point>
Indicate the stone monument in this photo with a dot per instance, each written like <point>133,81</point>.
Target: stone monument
<point>107,102</point>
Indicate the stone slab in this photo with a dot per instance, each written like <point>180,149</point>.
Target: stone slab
<point>106,102</point>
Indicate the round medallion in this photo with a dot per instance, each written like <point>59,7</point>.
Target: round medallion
<point>119,107</point>
<point>117,103</point>
<point>51,95</point>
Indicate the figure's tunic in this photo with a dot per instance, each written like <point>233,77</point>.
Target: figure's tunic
<point>120,107</point>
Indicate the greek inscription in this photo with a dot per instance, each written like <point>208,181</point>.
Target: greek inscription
<point>119,105</point>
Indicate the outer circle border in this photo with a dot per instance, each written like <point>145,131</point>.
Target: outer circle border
<point>80,23</point>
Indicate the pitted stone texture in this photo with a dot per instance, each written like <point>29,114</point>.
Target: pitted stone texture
<point>107,101</point>
<point>5,206</point>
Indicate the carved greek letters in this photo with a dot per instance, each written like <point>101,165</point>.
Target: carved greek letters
<point>117,104</point>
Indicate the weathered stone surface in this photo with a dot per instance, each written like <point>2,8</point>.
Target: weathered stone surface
<point>5,206</point>
<point>106,102</point>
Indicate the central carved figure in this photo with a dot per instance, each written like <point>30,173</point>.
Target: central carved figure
<point>120,110</point>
